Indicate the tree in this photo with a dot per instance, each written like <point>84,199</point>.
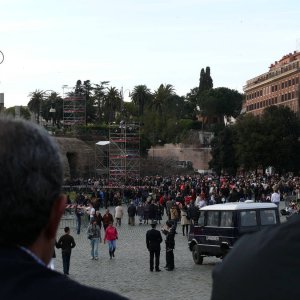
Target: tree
<point>160,96</point>
<point>282,132</point>
<point>219,103</point>
<point>250,143</point>
<point>191,103</point>
<point>24,112</point>
<point>223,152</point>
<point>141,96</point>
<point>53,101</point>
<point>34,105</point>
<point>205,81</point>
<point>112,104</point>
<point>85,90</point>
<point>100,91</point>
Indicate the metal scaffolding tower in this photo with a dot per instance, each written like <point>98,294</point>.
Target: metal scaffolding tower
<point>74,110</point>
<point>124,153</point>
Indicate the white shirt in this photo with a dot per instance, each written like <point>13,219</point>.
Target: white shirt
<point>275,197</point>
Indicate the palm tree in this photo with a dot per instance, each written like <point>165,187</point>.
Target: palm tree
<point>35,103</point>
<point>141,96</point>
<point>160,97</point>
<point>100,91</point>
<point>112,104</point>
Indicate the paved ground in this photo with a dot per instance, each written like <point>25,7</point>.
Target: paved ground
<point>128,273</point>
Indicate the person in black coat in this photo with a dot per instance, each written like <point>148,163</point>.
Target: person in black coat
<point>153,241</point>
<point>66,243</point>
<point>169,231</point>
<point>131,214</point>
<point>31,205</point>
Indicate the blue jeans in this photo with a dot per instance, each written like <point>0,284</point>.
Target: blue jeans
<point>95,246</point>
<point>111,245</point>
<point>66,262</point>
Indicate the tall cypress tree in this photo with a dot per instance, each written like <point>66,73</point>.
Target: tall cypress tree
<point>205,81</point>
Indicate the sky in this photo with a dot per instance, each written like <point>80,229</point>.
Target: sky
<point>48,44</point>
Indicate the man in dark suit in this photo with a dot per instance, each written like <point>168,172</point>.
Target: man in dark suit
<point>153,241</point>
<point>31,205</point>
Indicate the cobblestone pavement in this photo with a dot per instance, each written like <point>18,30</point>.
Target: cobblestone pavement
<point>128,273</point>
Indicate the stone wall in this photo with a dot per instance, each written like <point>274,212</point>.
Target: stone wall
<point>199,156</point>
<point>78,157</point>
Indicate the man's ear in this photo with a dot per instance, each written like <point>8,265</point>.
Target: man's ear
<point>57,211</point>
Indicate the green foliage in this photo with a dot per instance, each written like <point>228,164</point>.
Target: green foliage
<point>260,142</point>
<point>223,152</point>
<point>220,102</point>
<point>205,81</point>
<point>35,102</point>
<point>24,112</point>
<point>141,96</point>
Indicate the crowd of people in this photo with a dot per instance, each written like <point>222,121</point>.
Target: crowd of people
<point>31,181</point>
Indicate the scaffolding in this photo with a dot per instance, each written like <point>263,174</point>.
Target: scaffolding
<point>124,153</point>
<point>74,110</point>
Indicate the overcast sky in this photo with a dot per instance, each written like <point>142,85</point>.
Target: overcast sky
<point>48,44</point>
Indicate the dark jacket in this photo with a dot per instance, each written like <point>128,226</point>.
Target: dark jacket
<point>131,210</point>
<point>263,265</point>
<point>170,240</point>
<point>66,243</point>
<point>19,269</point>
<point>153,239</point>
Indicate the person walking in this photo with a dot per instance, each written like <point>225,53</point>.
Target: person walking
<point>78,213</point>
<point>153,241</point>
<point>94,235</point>
<point>131,214</point>
<point>140,212</point>
<point>111,235</point>
<point>106,219</point>
<point>185,222</point>
<point>119,214</point>
<point>66,243</point>
<point>169,231</point>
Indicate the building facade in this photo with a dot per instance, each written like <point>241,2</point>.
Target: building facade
<point>279,86</point>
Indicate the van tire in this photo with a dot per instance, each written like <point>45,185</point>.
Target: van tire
<point>198,259</point>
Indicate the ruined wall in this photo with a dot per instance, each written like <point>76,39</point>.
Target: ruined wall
<point>199,156</point>
<point>78,157</point>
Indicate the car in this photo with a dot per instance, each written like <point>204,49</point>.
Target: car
<point>219,226</point>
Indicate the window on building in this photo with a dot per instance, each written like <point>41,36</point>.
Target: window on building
<point>272,88</point>
<point>260,93</point>
<point>282,98</point>
<point>276,88</point>
<point>282,85</point>
<point>289,96</point>
<point>293,81</point>
<point>286,84</point>
<point>290,82</point>
<point>285,97</point>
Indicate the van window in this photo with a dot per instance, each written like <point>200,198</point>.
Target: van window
<point>201,219</point>
<point>213,218</point>
<point>226,218</point>
<point>248,218</point>
<point>267,217</point>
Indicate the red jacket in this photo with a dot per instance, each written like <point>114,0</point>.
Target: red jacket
<point>110,233</point>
